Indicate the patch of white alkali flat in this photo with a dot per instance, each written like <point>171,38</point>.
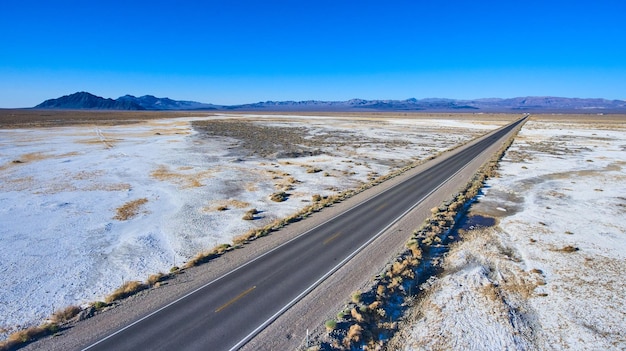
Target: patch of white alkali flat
<point>551,275</point>
<point>84,209</point>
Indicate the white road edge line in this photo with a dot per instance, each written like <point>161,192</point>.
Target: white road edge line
<point>228,273</point>
<point>309,289</point>
<point>340,264</point>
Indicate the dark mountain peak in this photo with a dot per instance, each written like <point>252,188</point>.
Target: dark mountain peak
<point>86,101</point>
<point>357,102</point>
<point>127,97</point>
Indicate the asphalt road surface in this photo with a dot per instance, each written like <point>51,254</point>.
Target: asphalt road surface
<point>227,312</point>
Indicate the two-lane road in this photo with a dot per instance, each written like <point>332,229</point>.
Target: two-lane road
<point>227,312</point>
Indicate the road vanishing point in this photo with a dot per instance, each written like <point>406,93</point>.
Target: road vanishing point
<point>227,312</point>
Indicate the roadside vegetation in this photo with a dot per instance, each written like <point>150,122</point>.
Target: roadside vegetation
<point>372,317</point>
<point>364,308</point>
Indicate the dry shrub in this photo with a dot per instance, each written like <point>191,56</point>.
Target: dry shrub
<point>64,315</point>
<point>408,274</point>
<point>98,305</point>
<point>398,267</point>
<point>129,209</point>
<point>316,198</point>
<point>395,282</point>
<point>279,196</point>
<point>155,278</point>
<point>356,315</point>
<point>220,249</point>
<point>354,335</point>
<point>222,208</point>
<point>569,248</point>
<point>374,305</point>
<point>248,216</point>
<point>416,251</point>
<point>200,258</point>
<point>241,239</point>
<point>455,206</point>
<point>313,170</point>
<point>127,289</point>
<point>27,335</point>
<point>24,336</point>
<point>381,290</point>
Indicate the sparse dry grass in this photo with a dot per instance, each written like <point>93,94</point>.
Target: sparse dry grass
<point>109,187</point>
<point>65,314</point>
<point>154,279</point>
<point>568,249</point>
<point>313,170</point>
<point>127,289</point>
<point>129,209</point>
<point>32,157</point>
<point>183,180</point>
<point>224,205</point>
<point>27,335</point>
<point>204,257</point>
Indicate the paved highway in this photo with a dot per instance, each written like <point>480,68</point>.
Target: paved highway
<point>227,312</point>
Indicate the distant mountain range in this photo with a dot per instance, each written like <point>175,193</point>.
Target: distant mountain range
<point>84,100</point>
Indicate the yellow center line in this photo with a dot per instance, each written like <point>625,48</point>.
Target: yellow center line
<point>331,238</point>
<point>235,299</point>
<point>381,207</point>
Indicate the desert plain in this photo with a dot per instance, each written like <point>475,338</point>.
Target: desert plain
<point>91,201</point>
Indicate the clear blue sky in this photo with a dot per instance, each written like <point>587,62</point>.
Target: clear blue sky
<point>229,52</point>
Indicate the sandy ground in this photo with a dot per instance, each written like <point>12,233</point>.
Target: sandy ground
<point>550,274</point>
<point>85,208</point>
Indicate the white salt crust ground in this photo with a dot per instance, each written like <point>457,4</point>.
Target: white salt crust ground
<point>513,287</point>
<point>60,189</point>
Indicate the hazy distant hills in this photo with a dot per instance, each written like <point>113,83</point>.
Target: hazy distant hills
<point>520,104</point>
<point>84,100</point>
